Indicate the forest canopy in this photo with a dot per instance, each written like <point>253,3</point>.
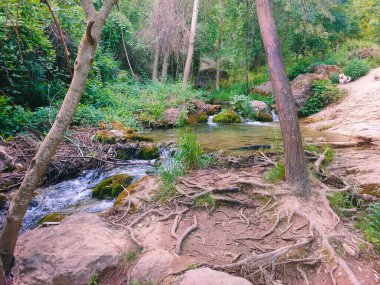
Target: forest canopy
<point>34,75</point>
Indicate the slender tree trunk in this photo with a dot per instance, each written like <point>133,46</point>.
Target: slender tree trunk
<point>123,41</point>
<point>156,58</point>
<point>217,79</point>
<point>61,37</point>
<point>295,162</point>
<point>190,52</point>
<point>165,65</point>
<point>38,165</point>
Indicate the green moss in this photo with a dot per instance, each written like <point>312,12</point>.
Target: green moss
<point>122,199</point>
<point>52,217</point>
<point>227,117</point>
<point>111,186</point>
<point>371,189</point>
<point>148,152</point>
<point>105,137</point>
<point>205,200</point>
<point>202,118</point>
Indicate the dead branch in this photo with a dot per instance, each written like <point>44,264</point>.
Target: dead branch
<point>304,276</point>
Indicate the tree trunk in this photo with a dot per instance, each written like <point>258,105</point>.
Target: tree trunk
<point>217,79</point>
<point>38,165</point>
<point>295,162</point>
<point>165,65</point>
<point>156,58</point>
<point>123,41</point>
<point>61,37</point>
<point>190,52</point>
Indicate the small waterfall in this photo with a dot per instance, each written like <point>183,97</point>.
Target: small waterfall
<point>275,117</point>
<point>210,122</point>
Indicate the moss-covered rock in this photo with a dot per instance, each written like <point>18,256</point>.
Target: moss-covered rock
<point>148,151</point>
<point>112,186</point>
<point>116,132</point>
<point>52,217</point>
<point>122,199</point>
<point>227,117</point>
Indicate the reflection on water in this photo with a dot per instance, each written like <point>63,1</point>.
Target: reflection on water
<point>229,137</point>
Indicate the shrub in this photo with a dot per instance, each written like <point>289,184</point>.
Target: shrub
<point>334,78</point>
<point>356,68</point>
<point>241,104</point>
<point>323,93</point>
<point>372,226</point>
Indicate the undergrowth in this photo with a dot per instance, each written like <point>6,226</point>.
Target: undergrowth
<point>189,156</point>
<point>276,173</point>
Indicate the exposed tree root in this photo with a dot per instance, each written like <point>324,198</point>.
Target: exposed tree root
<point>181,238</point>
<point>320,232</point>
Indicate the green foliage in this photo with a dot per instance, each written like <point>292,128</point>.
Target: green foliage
<point>356,68</point>
<point>242,105</point>
<point>323,93</point>
<point>94,279</point>
<point>339,201</point>
<point>188,156</point>
<point>205,200</point>
<point>131,256</point>
<point>276,173</point>
<point>334,78</point>
<point>372,225</point>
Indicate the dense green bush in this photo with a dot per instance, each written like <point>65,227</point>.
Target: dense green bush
<point>323,93</point>
<point>242,105</point>
<point>356,68</point>
<point>372,228</point>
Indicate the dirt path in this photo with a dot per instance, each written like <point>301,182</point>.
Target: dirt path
<point>358,114</point>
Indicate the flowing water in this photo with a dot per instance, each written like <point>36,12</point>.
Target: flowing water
<point>75,195</point>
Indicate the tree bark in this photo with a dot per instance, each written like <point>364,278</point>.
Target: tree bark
<point>38,165</point>
<point>295,162</point>
<point>217,79</point>
<point>190,52</point>
<point>165,65</point>
<point>61,37</point>
<point>156,58</point>
<point>2,277</point>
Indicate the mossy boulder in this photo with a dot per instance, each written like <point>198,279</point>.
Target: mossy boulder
<point>112,186</point>
<point>52,217</point>
<point>148,151</point>
<point>227,117</point>
<point>141,191</point>
<point>116,132</point>
<point>198,117</point>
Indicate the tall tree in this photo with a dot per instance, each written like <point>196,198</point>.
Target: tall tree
<point>295,162</point>
<point>86,54</point>
<point>190,52</point>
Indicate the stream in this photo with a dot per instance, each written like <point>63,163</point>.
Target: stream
<point>74,195</point>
